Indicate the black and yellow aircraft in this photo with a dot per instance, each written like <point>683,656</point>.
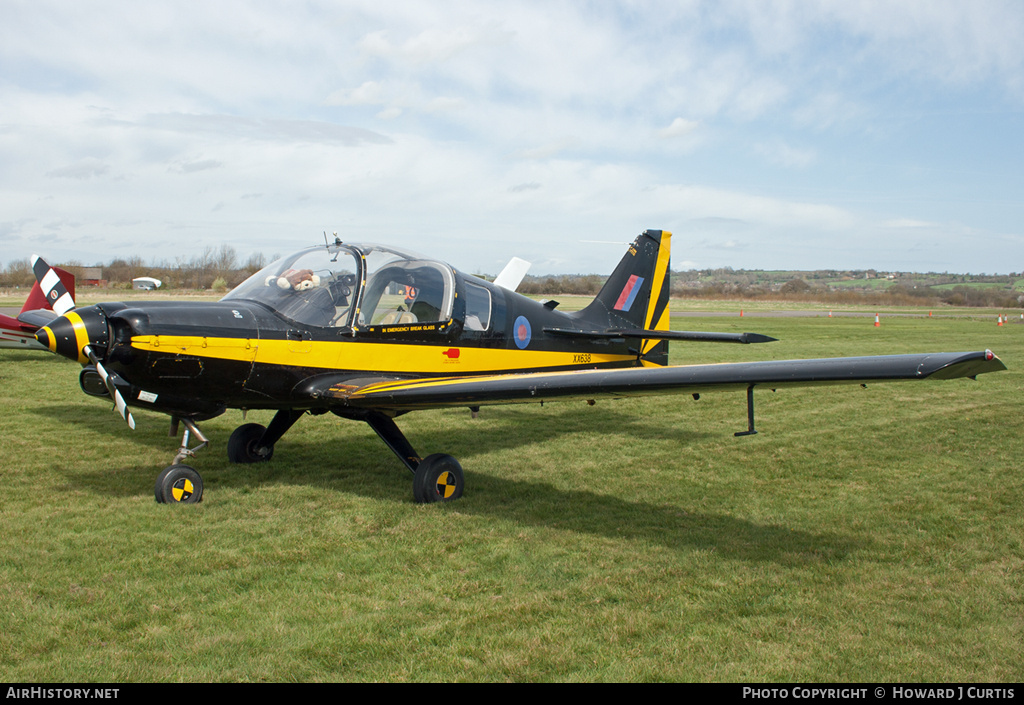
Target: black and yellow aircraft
<point>370,333</point>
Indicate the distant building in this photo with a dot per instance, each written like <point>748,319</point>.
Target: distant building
<point>146,283</point>
<point>92,276</point>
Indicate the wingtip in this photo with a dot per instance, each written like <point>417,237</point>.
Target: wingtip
<point>758,338</point>
<point>996,363</point>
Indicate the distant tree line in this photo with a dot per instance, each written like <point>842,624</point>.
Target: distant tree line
<point>215,268</point>
<point>220,269</point>
<point>894,294</point>
<point>865,287</point>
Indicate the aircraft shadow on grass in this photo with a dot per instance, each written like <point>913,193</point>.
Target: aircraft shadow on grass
<point>541,504</point>
<point>359,469</point>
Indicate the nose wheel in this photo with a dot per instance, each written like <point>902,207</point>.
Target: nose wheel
<point>179,484</point>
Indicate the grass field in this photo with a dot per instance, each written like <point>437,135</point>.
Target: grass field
<point>864,535</point>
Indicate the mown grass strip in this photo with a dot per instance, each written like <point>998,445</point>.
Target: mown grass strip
<point>864,534</point>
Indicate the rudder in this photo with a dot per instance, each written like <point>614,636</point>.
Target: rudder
<point>636,295</point>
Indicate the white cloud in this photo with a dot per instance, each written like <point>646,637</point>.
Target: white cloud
<point>431,45</point>
<point>369,93</point>
<point>83,169</point>
<point>780,153</point>
<point>531,122</point>
<point>907,223</point>
<point>678,128</point>
<point>193,166</point>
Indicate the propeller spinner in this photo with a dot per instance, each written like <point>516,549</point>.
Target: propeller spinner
<point>77,335</point>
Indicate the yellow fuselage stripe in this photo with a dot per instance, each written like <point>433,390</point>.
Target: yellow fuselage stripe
<point>371,356</point>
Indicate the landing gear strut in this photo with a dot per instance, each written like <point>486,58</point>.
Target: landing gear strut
<point>178,483</point>
<point>436,478</point>
<point>252,443</point>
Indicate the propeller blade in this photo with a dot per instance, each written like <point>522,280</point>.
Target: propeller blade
<point>53,288</point>
<point>119,403</point>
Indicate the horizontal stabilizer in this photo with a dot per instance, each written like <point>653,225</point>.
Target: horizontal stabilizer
<point>646,334</point>
<point>36,319</point>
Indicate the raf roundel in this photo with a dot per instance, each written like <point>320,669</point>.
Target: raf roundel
<point>521,332</point>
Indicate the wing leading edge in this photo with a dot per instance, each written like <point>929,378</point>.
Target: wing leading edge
<point>410,394</point>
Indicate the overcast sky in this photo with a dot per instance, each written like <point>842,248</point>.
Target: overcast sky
<point>797,135</point>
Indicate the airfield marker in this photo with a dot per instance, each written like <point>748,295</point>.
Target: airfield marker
<point>877,322</point>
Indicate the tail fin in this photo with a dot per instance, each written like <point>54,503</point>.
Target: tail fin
<point>38,299</point>
<point>636,295</point>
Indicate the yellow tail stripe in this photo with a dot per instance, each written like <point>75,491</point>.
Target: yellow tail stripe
<point>660,276</point>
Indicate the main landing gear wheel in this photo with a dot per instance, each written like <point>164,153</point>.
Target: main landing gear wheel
<point>438,478</point>
<point>179,484</point>
<point>243,443</point>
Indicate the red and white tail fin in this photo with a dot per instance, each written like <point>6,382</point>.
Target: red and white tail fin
<point>54,288</point>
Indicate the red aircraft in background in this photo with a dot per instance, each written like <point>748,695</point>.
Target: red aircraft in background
<point>20,333</point>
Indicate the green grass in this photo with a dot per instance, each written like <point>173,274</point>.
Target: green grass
<point>864,535</point>
<point>971,285</point>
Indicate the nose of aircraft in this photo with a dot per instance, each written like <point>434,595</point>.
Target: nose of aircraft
<point>68,335</point>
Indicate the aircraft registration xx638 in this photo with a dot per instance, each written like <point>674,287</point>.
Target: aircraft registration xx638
<point>370,333</point>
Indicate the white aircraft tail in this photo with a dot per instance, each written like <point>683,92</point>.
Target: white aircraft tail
<point>512,275</point>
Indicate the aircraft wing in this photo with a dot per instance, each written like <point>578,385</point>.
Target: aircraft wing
<point>426,393</point>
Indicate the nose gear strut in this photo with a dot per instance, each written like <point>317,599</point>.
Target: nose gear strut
<point>190,430</point>
<point>178,483</point>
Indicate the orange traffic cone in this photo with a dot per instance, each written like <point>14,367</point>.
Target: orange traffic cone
<point>1000,320</point>
<point>830,313</point>
<point>877,323</point>
<point>741,313</point>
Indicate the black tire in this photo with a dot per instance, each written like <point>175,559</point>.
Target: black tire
<point>179,484</point>
<point>438,478</point>
<point>242,444</point>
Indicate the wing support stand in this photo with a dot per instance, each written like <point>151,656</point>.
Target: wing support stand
<point>750,414</point>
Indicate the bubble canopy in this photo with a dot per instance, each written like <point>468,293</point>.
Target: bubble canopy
<point>353,286</point>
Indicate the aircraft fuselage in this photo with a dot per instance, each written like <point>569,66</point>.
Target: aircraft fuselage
<point>353,311</point>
